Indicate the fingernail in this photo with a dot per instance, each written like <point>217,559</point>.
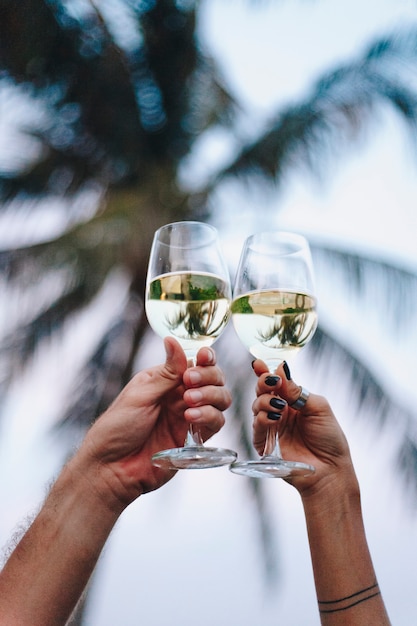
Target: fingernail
<point>195,377</point>
<point>194,413</point>
<point>273,416</point>
<point>271,381</point>
<point>211,356</point>
<point>277,403</point>
<point>253,362</point>
<point>195,395</point>
<point>286,370</point>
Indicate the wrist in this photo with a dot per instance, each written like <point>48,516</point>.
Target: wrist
<point>96,484</point>
<point>333,491</point>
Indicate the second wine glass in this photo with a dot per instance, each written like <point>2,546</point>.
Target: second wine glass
<point>274,315</point>
<point>188,297</point>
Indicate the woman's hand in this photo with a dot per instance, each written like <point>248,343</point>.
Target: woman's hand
<point>311,435</point>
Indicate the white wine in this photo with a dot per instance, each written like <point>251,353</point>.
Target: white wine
<point>192,307</point>
<point>274,324</point>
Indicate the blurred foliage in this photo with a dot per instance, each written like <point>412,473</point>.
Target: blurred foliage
<point>124,90</point>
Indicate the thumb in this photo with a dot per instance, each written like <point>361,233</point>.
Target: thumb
<point>289,389</point>
<point>286,386</point>
<point>175,361</point>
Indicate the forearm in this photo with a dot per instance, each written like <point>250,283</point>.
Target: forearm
<point>47,572</point>
<point>346,585</point>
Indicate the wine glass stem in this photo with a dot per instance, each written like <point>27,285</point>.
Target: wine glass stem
<point>272,447</point>
<point>193,437</point>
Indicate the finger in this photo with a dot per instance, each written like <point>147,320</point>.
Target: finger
<point>261,370</point>
<point>261,426</point>
<point>269,407</point>
<point>206,356</point>
<point>148,385</point>
<point>267,382</point>
<point>259,367</point>
<point>176,361</point>
<point>207,419</point>
<point>289,389</point>
<point>199,376</point>
<point>281,382</point>
<point>218,397</point>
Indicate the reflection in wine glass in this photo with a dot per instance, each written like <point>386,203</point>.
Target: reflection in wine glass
<point>188,297</point>
<point>274,315</point>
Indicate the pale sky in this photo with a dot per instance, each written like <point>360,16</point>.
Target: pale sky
<point>188,554</point>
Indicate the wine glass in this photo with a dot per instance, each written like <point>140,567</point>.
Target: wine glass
<point>188,296</point>
<point>274,315</point>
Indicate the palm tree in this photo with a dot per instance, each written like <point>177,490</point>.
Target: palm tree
<point>120,109</point>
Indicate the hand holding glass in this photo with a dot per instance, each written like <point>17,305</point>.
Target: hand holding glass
<point>188,297</point>
<point>274,315</point>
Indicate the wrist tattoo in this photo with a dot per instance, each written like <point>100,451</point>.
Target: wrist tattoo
<point>342,604</point>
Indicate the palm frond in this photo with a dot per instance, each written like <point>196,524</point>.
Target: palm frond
<point>340,105</point>
<point>369,397</point>
<point>111,114</point>
<point>58,278</point>
<point>21,343</point>
<point>57,168</point>
<point>210,101</point>
<point>407,463</point>
<point>383,283</point>
<point>25,264</point>
<point>108,369</point>
<point>255,486</point>
<point>94,128</point>
<point>36,49</point>
<point>240,417</point>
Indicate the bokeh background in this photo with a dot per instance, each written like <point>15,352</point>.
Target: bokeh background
<point>118,116</point>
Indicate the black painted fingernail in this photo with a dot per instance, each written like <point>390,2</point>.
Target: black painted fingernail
<point>253,362</point>
<point>273,416</point>
<point>286,370</point>
<point>271,381</point>
<point>277,403</point>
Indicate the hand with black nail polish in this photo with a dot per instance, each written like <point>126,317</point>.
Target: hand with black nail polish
<point>311,435</point>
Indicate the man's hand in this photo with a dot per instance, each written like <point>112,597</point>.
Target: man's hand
<point>152,413</point>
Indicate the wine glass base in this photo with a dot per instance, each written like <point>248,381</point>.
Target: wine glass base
<point>193,457</point>
<point>268,467</point>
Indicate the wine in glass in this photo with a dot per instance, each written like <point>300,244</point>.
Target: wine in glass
<point>274,315</point>
<point>188,296</point>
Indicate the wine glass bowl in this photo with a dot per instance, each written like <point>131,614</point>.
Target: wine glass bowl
<point>274,325</point>
<point>274,315</point>
<point>188,296</point>
<point>192,307</point>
